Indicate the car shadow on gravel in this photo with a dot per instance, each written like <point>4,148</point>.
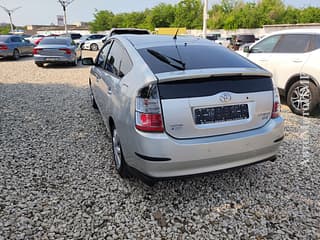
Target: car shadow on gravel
<point>21,59</point>
<point>63,66</point>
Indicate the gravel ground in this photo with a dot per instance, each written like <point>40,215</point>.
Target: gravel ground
<point>57,179</point>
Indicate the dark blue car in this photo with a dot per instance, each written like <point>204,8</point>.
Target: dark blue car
<point>14,46</point>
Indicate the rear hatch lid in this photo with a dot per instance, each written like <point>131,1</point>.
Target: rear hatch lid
<point>211,102</point>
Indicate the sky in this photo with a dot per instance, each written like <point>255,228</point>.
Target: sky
<point>45,11</point>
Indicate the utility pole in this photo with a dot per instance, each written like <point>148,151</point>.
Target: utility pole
<point>10,14</point>
<point>205,17</point>
<point>65,4</point>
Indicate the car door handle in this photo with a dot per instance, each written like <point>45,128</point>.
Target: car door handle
<point>109,91</point>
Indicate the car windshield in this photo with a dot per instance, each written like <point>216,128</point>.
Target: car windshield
<point>54,41</point>
<point>3,38</point>
<point>192,57</point>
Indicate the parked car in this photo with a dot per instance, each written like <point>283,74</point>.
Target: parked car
<point>292,56</point>
<point>34,38</point>
<point>74,36</point>
<point>240,39</point>
<point>93,44</point>
<point>172,109</point>
<point>119,31</point>
<point>90,37</point>
<point>56,50</point>
<point>14,46</point>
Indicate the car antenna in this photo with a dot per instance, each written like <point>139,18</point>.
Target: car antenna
<point>175,41</point>
<point>175,35</point>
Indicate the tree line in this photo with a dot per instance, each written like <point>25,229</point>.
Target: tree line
<point>229,14</point>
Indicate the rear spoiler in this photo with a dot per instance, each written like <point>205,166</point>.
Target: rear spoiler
<point>206,73</point>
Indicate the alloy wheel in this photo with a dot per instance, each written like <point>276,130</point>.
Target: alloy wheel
<point>301,98</point>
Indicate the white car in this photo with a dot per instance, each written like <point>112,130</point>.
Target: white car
<point>292,56</point>
<point>93,44</point>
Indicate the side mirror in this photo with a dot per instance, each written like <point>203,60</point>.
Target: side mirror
<point>87,61</point>
<point>246,49</point>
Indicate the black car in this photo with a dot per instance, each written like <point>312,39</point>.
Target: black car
<point>240,39</point>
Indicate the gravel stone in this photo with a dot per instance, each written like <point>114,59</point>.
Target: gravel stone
<point>58,181</point>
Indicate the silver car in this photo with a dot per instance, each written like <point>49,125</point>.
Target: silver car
<point>181,105</point>
<point>14,46</point>
<point>56,50</point>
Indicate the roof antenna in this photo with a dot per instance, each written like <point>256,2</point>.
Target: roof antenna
<point>175,36</point>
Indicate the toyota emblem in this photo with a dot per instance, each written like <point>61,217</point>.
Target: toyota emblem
<point>225,97</point>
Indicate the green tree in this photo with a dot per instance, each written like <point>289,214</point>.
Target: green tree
<point>188,13</point>
<point>102,21</point>
<point>309,15</point>
<point>162,15</point>
<point>5,29</point>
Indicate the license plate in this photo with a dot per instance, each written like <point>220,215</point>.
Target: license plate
<point>52,59</point>
<point>221,114</point>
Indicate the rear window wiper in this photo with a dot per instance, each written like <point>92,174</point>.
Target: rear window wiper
<point>168,60</point>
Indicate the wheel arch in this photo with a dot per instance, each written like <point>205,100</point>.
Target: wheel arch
<point>296,78</point>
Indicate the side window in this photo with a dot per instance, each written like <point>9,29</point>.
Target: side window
<point>266,45</point>
<point>294,43</point>
<point>100,60</point>
<point>16,39</point>
<point>118,61</point>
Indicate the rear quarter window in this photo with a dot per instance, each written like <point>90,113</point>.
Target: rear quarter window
<point>194,57</point>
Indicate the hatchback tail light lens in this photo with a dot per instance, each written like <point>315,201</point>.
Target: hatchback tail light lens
<point>66,50</point>
<point>276,104</point>
<point>3,47</point>
<point>148,110</point>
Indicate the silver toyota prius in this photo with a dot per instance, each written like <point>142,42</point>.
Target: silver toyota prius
<point>179,106</point>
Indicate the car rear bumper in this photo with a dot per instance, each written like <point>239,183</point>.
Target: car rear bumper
<point>6,53</point>
<point>160,156</point>
<point>54,59</point>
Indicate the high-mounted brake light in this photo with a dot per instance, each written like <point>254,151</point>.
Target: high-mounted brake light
<point>148,110</point>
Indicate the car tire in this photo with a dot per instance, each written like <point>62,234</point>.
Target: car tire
<point>94,47</point>
<point>118,158</point>
<point>39,64</point>
<point>302,98</point>
<point>16,54</point>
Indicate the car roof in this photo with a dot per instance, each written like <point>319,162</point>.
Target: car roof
<point>144,41</point>
<point>298,31</point>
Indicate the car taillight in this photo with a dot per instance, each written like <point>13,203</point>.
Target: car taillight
<point>38,41</point>
<point>36,50</point>
<point>148,110</point>
<point>66,50</point>
<point>3,47</point>
<point>276,108</point>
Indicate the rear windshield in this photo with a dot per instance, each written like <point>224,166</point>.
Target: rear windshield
<point>54,41</point>
<point>3,38</point>
<point>194,57</point>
